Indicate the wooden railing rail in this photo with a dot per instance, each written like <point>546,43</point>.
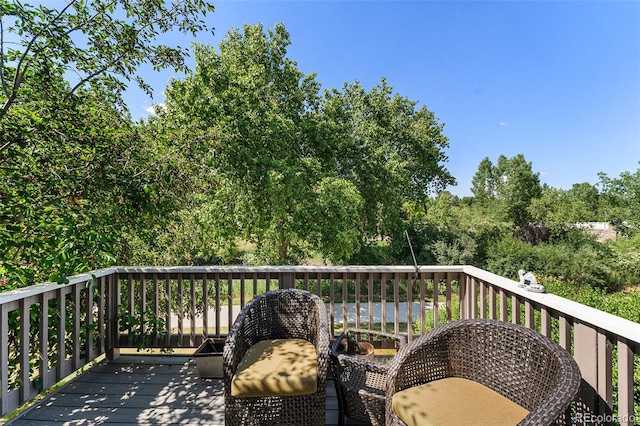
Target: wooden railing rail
<point>48,331</point>
<point>380,296</point>
<point>60,328</point>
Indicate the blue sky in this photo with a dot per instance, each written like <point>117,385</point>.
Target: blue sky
<point>556,81</point>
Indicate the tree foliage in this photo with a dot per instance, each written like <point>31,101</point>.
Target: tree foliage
<point>250,151</point>
<point>74,188</point>
<point>587,264</point>
<point>621,201</point>
<point>296,171</point>
<point>252,103</point>
<point>102,43</point>
<point>510,184</point>
<point>447,231</point>
<point>392,153</point>
<point>76,177</point>
<point>559,208</point>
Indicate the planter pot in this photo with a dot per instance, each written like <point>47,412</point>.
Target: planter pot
<point>209,359</point>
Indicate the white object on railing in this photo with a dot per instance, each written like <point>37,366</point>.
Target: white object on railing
<point>529,282</point>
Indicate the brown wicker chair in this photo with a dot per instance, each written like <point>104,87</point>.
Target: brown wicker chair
<point>279,314</point>
<point>359,382</point>
<point>525,367</point>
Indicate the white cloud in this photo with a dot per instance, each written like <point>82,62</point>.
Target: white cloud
<point>504,124</point>
<point>152,108</point>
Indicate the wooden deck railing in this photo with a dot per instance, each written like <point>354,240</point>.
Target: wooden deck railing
<point>49,331</point>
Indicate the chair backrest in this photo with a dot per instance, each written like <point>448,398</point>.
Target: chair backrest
<point>286,313</point>
<point>513,360</point>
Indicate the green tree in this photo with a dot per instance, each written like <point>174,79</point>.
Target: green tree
<point>558,208</point>
<point>589,196</point>
<point>50,184</point>
<point>75,177</point>
<point>512,183</point>
<point>292,171</point>
<point>483,184</point>
<point>338,204</point>
<point>175,227</point>
<point>621,201</point>
<point>102,42</point>
<point>391,151</point>
<point>451,232</point>
<point>255,109</point>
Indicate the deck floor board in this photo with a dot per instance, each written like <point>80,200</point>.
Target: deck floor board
<point>141,390</point>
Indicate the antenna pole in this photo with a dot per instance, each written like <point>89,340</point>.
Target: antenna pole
<point>413,255</point>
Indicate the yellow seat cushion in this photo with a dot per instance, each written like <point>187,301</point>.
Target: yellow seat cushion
<point>277,367</point>
<point>455,401</point>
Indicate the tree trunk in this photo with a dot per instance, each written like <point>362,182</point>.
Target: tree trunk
<point>283,250</point>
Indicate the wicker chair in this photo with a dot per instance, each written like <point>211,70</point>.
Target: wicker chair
<point>359,382</point>
<point>280,314</point>
<point>527,368</point>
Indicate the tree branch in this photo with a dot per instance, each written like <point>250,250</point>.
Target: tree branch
<point>86,79</point>
<point>81,26</point>
<point>3,82</point>
<point>23,66</point>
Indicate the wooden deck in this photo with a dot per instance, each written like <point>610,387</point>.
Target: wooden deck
<point>142,390</point>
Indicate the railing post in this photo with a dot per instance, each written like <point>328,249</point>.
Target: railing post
<point>449,306</point>
<point>473,297</point>
<point>103,303</point>
<point>287,280</point>
<point>605,385</point>
<point>62,367</point>
<point>625,384</point>
<point>44,340</point>
<point>4,360</point>
<point>462,296</point>
<point>90,353</point>
<point>112,350</point>
<point>591,401</point>
<point>435,305</point>
<point>25,381</point>
<point>468,297</point>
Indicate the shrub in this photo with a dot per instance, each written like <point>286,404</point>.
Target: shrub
<point>461,251</point>
<point>585,264</point>
<point>626,260</point>
<point>377,253</point>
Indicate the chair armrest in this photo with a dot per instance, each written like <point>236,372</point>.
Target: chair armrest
<point>322,341</point>
<point>238,342</point>
<point>557,400</point>
<point>348,361</point>
<point>401,338</point>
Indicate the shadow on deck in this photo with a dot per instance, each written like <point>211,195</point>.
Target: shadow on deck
<point>142,390</point>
